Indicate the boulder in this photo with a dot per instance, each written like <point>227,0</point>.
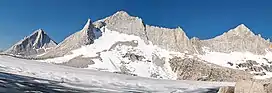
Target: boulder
<point>133,57</point>
<point>268,88</point>
<point>247,86</point>
<point>256,68</point>
<point>252,62</point>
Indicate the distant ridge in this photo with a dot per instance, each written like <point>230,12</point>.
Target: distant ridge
<point>240,38</point>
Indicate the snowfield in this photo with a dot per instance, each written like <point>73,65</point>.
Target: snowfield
<point>111,53</point>
<point>88,80</point>
<point>236,58</point>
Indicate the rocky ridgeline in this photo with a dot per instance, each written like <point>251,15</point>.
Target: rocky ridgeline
<point>170,39</point>
<point>239,39</point>
<point>83,37</point>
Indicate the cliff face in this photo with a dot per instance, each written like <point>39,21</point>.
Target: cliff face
<point>170,39</point>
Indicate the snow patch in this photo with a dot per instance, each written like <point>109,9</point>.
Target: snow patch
<point>223,59</point>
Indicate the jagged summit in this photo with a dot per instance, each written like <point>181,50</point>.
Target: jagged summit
<point>242,27</point>
<point>241,30</point>
<point>88,25</point>
<point>179,29</point>
<point>36,43</point>
<point>38,31</point>
<point>172,39</point>
<point>121,13</point>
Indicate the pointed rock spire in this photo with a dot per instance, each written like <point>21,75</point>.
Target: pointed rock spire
<point>38,31</point>
<point>88,25</point>
<point>83,37</point>
<point>180,29</point>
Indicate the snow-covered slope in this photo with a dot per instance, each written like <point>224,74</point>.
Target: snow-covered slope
<point>259,65</point>
<point>95,81</point>
<point>122,53</point>
<point>36,43</point>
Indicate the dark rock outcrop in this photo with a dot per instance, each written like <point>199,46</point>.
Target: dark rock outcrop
<point>227,89</point>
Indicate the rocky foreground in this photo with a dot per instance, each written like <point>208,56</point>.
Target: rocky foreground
<point>248,86</point>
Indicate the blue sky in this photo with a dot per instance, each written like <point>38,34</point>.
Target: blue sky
<point>200,18</point>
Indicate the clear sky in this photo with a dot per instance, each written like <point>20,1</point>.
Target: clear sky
<point>200,18</point>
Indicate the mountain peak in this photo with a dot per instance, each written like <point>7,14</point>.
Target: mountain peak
<point>88,24</point>
<point>36,43</point>
<point>38,31</point>
<point>242,27</point>
<point>121,13</point>
<point>179,28</point>
<point>241,30</point>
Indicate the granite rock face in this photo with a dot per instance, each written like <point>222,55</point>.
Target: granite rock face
<point>36,43</point>
<point>193,69</point>
<point>122,22</point>
<point>83,37</point>
<point>239,39</point>
<point>170,39</point>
